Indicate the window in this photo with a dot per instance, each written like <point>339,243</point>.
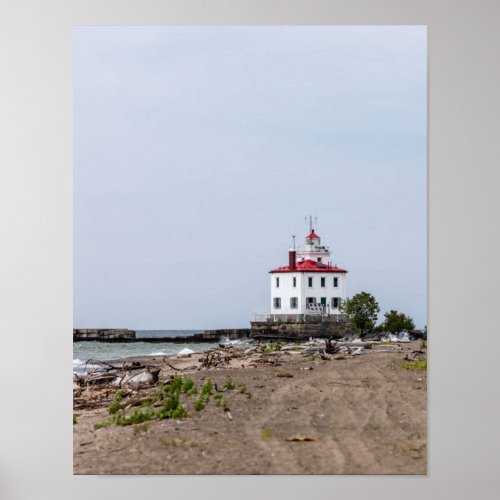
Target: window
<point>323,283</point>
<point>310,301</point>
<point>277,282</point>
<point>277,302</point>
<point>335,282</point>
<point>294,282</point>
<point>323,301</point>
<point>294,302</point>
<point>310,281</point>
<point>319,259</point>
<point>336,302</point>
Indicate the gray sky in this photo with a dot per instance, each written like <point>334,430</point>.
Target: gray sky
<point>199,150</point>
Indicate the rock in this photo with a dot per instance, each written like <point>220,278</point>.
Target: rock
<point>185,352</point>
<point>418,334</point>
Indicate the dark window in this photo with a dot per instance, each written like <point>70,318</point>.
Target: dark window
<point>310,281</point>
<point>294,302</point>
<point>294,282</point>
<point>277,282</point>
<point>319,259</point>
<point>310,301</point>
<point>323,283</point>
<point>335,302</point>
<point>335,282</point>
<point>277,302</point>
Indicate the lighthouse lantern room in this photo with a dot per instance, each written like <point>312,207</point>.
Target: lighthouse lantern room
<point>309,285</point>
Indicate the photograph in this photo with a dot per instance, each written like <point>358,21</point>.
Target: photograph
<point>250,250</point>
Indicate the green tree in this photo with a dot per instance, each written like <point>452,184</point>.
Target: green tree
<point>362,310</point>
<point>397,322</point>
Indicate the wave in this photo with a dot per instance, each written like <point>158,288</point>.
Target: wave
<point>227,341</point>
<point>400,337</point>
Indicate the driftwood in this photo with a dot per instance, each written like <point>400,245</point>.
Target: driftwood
<point>138,401</point>
<point>181,369</point>
<point>331,347</point>
<point>302,438</point>
<point>147,377</point>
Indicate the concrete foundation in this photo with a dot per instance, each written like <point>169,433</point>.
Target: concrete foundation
<point>299,330</point>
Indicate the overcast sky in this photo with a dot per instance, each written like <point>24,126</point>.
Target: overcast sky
<point>199,150</point>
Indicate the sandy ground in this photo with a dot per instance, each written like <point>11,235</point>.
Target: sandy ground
<point>363,415</point>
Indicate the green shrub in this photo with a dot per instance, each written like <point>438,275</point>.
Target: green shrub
<point>115,406</point>
<point>419,365</point>
<point>396,322</point>
<point>229,385</point>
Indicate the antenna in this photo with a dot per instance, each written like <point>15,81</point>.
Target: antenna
<point>310,223</point>
<point>293,237</point>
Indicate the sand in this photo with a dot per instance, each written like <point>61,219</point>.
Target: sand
<point>360,415</point>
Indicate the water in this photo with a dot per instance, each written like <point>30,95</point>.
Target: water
<point>83,351</point>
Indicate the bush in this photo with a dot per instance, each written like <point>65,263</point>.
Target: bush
<point>397,322</point>
<point>362,310</point>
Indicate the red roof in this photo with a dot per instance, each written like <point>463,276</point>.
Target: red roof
<point>309,266</point>
<point>312,235</point>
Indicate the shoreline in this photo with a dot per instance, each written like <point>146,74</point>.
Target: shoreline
<point>309,413</point>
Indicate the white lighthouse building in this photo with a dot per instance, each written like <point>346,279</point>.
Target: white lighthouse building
<point>309,285</point>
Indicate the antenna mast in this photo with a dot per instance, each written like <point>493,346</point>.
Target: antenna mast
<point>311,222</point>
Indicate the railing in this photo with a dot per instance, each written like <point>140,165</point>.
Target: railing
<point>276,318</point>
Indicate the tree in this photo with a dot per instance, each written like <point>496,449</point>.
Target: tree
<point>397,322</point>
<point>362,310</point>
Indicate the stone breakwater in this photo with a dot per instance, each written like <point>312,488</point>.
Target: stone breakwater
<point>277,331</point>
<point>80,334</point>
<point>125,336</point>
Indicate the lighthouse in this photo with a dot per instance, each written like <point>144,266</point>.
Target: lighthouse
<point>310,285</point>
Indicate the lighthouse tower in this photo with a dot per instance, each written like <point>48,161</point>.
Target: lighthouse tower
<point>309,285</point>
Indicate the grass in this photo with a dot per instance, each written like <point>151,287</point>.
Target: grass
<point>229,385</point>
<point>74,420</point>
<point>244,390</point>
<point>419,365</point>
<point>204,398</point>
<point>266,433</point>
<point>115,406</point>
<point>166,403</point>
<point>175,443</point>
<point>167,395</point>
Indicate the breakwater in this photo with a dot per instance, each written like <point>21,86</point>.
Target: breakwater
<point>129,336</point>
